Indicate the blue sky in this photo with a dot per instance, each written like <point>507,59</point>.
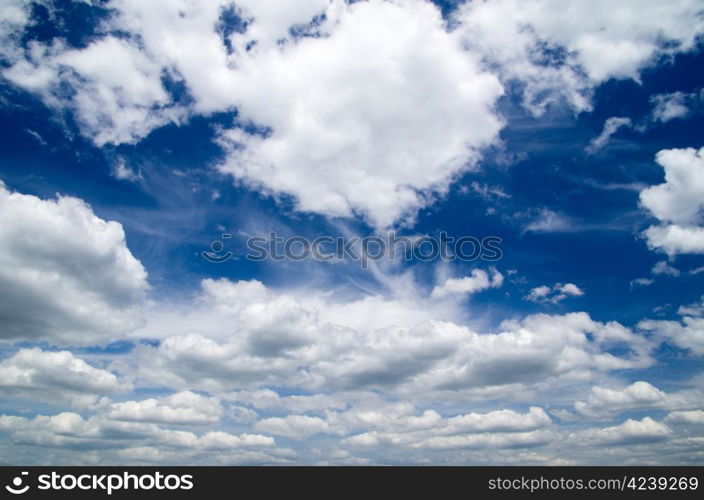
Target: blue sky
<point>574,135</point>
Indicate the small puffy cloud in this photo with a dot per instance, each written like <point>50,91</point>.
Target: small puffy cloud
<point>695,309</point>
<point>641,282</point>
<point>293,426</point>
<point>122,171</point>
<point>54,376</point>
<point>668,107</point>
<point>611,126</point>
<point>630,432</point>
<point>661,268</point>
<point>554,294</point>
<point>664,269</point>
<point>677,203</point>
<point>65,274</point>
<point>182,408</point>
<point>478,280</point>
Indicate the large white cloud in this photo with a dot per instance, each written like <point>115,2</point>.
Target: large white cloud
<point>371,118</point>
<point>258,337</point>
<point>65,274</point>
<point>370,109</point>
<point>678,203</point>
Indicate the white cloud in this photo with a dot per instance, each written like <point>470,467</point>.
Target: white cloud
<point>641,282</point>
<point>611,126</point>
<point>183,408</point>
<point>258,337</point>
<point>379,125</point>
<point>685,334</point>
<point>629,432</point>
<point>54,376</point>
<point>665,269</point>
<point>122,171</point>
<point>605,401</point>
<point>293,426</point>
<point>547,221</point>
<point>478,281</point>
<point>382,126</point>
<point>269,399</point>
<point>694,309</point>
<point>591,41</point>
<point>65,274</point>
<point>694,417</point>
<point>117,94</point>
<point>668,107</point>
<point>554,294</point>
<point>487,441</point>
<point>677,203</point>
<point>14,17</point>
<point>401,424</point>
<point>70,430</point>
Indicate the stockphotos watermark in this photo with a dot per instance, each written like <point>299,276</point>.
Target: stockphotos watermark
<point>108,483</point>
<point>361,249</point>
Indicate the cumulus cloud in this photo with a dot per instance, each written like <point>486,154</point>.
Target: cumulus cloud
<point>478,280</point>
<point>379,135</point>
<point>604,402</point>
<point>402,424</point>
<point>65,274</point>
<point>677,203</point>
<point>293,426</point>
<point>555,293</point>
<point>382,126</point>
<point>273,337</point>
<point>116,93</point>
<point>686,334</point>
<point>589,42</point>
<point>54,376</point>
<point>694,417</point>
<point>630,432</point>
<point>183,408</point>
<point>695,309</point>
<point>70,430</point>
